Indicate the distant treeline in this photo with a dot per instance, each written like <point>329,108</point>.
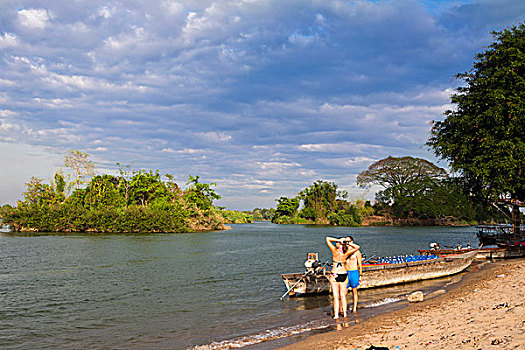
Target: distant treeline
<point>416,192</point>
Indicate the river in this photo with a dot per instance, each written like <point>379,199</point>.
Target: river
<point>181,291</point>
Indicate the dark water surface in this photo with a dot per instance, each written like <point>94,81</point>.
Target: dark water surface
<point>178,291</point>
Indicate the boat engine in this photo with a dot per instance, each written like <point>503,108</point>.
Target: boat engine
<point>312,263</point>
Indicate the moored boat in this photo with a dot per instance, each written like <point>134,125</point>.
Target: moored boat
<point>379,274</point>
<point>483,253</point>
<point>500,234</point>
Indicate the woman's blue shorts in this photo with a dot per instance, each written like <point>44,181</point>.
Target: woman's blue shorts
<point>353,278</point>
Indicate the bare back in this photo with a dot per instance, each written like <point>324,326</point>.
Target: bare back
<point>338,257</point>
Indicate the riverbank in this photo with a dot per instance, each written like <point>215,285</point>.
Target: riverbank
<point>484,311</point>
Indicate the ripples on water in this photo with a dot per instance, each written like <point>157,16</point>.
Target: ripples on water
<point>179,291</point>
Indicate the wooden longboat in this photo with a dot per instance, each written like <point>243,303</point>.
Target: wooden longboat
<point>380,275</point>
<point>483,253</point>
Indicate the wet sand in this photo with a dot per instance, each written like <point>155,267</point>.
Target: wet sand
<point>486,310</point>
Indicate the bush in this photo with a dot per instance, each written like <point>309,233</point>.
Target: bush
<point>235,217</point>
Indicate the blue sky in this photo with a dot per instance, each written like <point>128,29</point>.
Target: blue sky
<point>261,97</point>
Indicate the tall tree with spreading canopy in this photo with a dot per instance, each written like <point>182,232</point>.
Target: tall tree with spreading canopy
<point>415,188</point>
<point>483,137</point>
<point>400,173</point>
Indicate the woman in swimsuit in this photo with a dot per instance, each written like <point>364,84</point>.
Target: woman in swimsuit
<point>339,276</point>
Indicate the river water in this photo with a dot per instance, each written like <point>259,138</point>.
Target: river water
<point>181,291</point>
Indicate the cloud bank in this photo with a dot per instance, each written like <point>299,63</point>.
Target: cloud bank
<point>261,97</point>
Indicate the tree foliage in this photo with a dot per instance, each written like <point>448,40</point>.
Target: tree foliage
<point>263,214</point>
<point>400,174</point>
<point>418,191</point>
<point>319,200</point>
<point>320,203</point>
<point>202,194</point>
<point>287,206</point>
<point>483,137</point>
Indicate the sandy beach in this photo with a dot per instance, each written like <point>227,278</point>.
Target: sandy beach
<point>484,311</point>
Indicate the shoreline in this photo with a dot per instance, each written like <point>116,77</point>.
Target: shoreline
<point>483,310</point>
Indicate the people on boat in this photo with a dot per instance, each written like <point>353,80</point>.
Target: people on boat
<point>339,275</point>
<point>354,268</point>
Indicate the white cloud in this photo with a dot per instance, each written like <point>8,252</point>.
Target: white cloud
<point>5,113</point>
<point>8,40</point>
<point>360,162</point>
<point>214,136</point>
<point>105,12</point>
<point>277,166</point>
<point>302,39</point>
<point>182,151</point>
<point>99,149</point>
<point>35,18</point>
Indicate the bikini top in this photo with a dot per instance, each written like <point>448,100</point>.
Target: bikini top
<point>339,263</point>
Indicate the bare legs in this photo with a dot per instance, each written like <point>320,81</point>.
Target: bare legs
<point>335,293</point>
<point>343,291</point>
<point>339,292</point>
<point>354,293</point>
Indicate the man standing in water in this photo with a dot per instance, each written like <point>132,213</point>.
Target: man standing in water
<point>354,267</point>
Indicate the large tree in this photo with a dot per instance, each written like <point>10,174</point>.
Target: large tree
<point>415,188</point>
<point>320,199</point>
<point>287,207</point>
<point>400,173</point>
<point>483,137</point>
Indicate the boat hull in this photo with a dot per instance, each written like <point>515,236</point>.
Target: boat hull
<point>484,253</point>
<point>382,275</point>
<point>500,234</point>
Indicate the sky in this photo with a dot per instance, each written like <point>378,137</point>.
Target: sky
<point>261,97</point>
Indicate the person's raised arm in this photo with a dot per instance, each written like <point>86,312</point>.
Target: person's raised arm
<point>352,248</point>
<point>329,241</point>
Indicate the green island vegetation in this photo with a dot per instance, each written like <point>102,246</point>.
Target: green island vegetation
<point>133,201</point>
<point>482,140</point>
<point>321,203</point>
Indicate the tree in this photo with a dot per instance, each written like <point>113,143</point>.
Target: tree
<point>201,194</point>
<point>399,174</point>
<point>80,165</point>
<point>40,194</point>
<point>60,183</point>
<point>5,210</point>
<point>125,173</point>
<point>287,207</point>
<point>263,213</point>
<point>483,137</point>
<point>102,192</point>
<point>145,187</point>
<point>320,199</point>
<point>417,189</point>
